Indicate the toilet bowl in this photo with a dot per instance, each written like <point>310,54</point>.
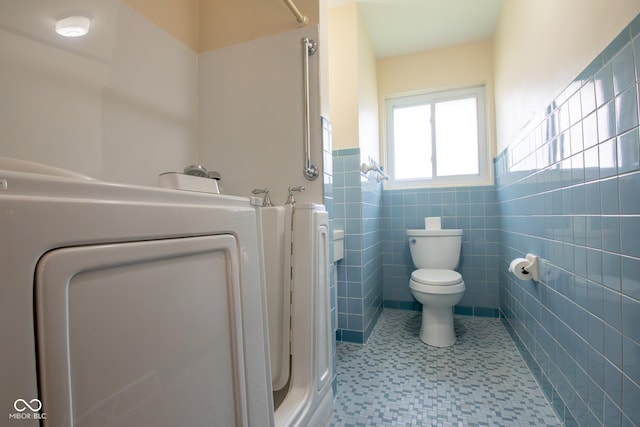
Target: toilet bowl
<point>438,291</point>
<point>435,284</point>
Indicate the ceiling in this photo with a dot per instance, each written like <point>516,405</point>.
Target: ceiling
<point>399,27</point>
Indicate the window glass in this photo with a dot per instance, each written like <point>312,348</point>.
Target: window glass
<point>437,139</point>
<point>457,137</point>
<point>412,137</point>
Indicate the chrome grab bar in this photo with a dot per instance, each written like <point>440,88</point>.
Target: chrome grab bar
<point>308,48</point>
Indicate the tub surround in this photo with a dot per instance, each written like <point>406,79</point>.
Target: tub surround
<point>105,105</point>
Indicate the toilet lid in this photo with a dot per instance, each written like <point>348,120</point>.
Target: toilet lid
<point>436,277</point>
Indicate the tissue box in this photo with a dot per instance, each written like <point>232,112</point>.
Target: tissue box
<point>433,223</point>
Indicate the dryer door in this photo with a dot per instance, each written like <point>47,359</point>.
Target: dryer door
<point>142,334</point>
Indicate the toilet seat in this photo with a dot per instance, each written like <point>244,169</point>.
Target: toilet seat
<point>435,281</point>
<point>436,277</point>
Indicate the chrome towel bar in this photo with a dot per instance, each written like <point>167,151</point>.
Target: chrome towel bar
<point>381,176</point>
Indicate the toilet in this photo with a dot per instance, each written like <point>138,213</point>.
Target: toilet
<point>436,284</point>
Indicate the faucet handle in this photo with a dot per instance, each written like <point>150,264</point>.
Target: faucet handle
<point>266,201</point>
<point>290,199</point>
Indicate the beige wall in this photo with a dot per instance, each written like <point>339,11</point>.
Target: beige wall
<point>352,83</point>
<point>369,139</point>
<point>227,22</point>
<point>204,25</point>
<point>343,76</point>
<point>178,17</point>
<point>448,68</point>
<point>541,46</point>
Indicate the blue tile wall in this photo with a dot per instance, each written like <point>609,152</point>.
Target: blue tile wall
<point>472,209</point>
<point>356,210</point>
<point>568,190</point>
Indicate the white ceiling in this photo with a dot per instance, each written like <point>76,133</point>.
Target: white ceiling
<point>398,27</point>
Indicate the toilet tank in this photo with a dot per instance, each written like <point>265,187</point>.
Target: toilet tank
<point>435,248</point>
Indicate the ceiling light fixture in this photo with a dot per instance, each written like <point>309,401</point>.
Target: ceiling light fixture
<point>73,26</point>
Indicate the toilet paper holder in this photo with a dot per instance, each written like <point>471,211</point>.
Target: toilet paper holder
<point>531,269</point>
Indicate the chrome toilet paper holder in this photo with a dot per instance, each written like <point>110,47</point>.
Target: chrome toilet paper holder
<point>532,268</point>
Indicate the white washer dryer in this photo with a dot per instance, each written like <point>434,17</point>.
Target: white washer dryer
<point>128,306</point>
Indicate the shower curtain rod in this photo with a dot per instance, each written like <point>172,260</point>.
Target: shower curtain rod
<point>299,16</point>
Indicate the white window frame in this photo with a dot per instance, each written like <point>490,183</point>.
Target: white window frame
<point>484,162</point>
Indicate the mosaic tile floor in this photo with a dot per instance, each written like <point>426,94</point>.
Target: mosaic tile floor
<point>396,380</point>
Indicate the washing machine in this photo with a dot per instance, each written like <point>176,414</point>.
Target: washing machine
<point>127,305</point>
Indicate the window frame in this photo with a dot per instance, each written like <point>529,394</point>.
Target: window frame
<point>484,176</point>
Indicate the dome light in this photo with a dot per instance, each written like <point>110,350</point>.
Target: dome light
<point>73,26</point>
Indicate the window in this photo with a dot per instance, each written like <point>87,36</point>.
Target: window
<point>437,139</point>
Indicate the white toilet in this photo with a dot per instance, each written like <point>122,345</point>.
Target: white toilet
<point>435,284</point>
